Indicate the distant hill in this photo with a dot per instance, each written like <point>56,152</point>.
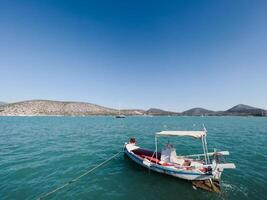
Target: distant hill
<point>132,112</point>
<point>242,109</point>
<point>238,110</point>
<point>198,112</point>
<point>47,107</point>
<point>156,111</point>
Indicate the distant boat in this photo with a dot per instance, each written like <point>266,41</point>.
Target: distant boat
<point>120,115</point>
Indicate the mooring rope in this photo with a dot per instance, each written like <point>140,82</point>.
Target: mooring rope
<point>77,178</point>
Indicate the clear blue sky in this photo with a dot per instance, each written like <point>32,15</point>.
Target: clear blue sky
<point>137,54</point>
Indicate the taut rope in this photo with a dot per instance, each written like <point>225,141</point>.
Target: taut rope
<point>77,178</point>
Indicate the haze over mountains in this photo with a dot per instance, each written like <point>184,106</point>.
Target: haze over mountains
<point>48,107</point>
<point>2,103</point>
<point>198,111</point>
<point>238,110</point>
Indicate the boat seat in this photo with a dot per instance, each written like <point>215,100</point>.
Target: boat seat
<point>179,161</point>
<point>146,152</point>
<point>168,155</point>
<point>195,163</point>
<point>154,160</point>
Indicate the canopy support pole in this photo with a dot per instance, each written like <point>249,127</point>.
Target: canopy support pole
<point>204,149</point>
<point>156,147</point>
<point>206,146</point>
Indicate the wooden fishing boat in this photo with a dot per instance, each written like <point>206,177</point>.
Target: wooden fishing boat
<point>198,167</point>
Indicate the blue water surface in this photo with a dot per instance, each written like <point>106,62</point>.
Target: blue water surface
<point>38,154</point>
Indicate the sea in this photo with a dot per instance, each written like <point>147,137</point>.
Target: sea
<point>40,154</point>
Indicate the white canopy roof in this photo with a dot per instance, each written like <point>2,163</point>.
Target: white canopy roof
<point>195,134</point>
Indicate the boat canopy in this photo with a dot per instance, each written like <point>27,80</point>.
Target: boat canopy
<point>195,134</point>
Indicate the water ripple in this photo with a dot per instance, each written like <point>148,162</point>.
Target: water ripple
<point>40,153</point>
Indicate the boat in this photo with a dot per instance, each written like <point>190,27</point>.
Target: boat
<point>120,115</point>
<point>207,166</point>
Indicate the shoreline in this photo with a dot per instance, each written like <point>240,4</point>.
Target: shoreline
<point>69,108</point>
<point>132,116</point>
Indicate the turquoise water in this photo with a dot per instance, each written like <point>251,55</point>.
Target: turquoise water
<point>37,154</point>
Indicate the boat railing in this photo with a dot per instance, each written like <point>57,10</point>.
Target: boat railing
<point>223,153</point>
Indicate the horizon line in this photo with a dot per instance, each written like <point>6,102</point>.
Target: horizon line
<point>151,107</point>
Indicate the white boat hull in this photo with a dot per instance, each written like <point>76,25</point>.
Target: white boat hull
<point>172,171</point>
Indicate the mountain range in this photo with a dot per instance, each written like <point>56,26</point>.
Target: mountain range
<point>198,111</point>
<point>238,110</point>
<point>48,107</point>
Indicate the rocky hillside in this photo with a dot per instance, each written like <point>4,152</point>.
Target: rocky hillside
<point>238,110</point>
<point>46,107</point>
<point>132,112</point>
<point>156,111</point>
<point>242,109</point>
<point>197,112</point>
